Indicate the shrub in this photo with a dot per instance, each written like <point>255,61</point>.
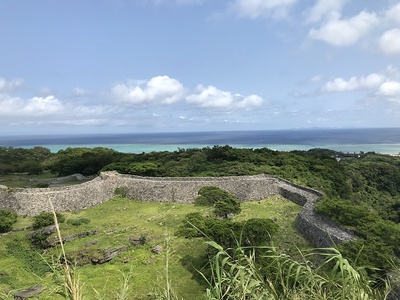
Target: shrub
<point>45,219</point>
<point>258,232</point>
<point>224,202</point>
<point>7,219</point>
<point>193,226</point>
<point>208,196</point>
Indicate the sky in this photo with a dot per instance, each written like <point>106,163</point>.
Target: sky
<point>133,66</point>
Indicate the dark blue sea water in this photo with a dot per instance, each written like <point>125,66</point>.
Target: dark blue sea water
<point>382,140</point>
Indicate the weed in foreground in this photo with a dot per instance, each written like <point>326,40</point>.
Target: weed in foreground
<point>235,275</point>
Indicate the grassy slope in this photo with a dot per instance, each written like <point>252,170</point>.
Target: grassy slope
<point>119,219</point>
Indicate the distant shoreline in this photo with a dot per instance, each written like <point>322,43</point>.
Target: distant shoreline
<point>390,149</point>
<point>379,140</point>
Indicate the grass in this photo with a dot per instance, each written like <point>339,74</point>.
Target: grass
<point>138,272</point>
<point>22,180</point>
<point>237,277</point>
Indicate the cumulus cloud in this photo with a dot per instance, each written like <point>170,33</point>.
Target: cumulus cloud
<point>144,101</point>
<point>160,89</point>
<point>389,42</point>
<point>259,8</point>
<point>211,97</point>
<point>33,107</point>
<point>354,83</point>
<point>324,9</point>
<point>390,88</point>
<point>344,32</point>
<point>383,86</point>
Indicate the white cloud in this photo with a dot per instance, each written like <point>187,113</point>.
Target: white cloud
<point>345,32</point>
<point>354,83</point>
<point>393,13</point>
<point>390,88</point>
<point>79,92</point>
<point>211,97</point>
<point>383,87</point>
<point>325,9</point>
<point>34,107</point>
<point>42,106</point>
<point>160,89</point>
<point>11,84</point>
<point>389,42</point>
<point>258,8</point>
<point>249,102</point>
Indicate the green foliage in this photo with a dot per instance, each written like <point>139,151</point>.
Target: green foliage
<point>209,195</point>
<point>224,203</point>
<point>30,258</point>
<point>7,219</point>
<point>251,232</point>
<point>371,253</point>
<point>120,192</point>
<point>13,160</point>
<point>378,238</point>
<point>45,219</point>
<point>85,161</point>
<point>78,222</point>
<point>258,232</point>
<point>194,225</point>
<point>236,275</point>
<point>346,213</point>
<point>227,206</point>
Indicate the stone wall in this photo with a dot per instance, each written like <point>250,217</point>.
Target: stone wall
<point>320,231</point>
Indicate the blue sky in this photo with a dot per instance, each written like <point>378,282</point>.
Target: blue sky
<point>105,66</point>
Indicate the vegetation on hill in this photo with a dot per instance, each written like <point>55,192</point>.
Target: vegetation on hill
<point>362,192</point>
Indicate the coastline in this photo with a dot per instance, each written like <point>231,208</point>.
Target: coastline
<point>390,149</point>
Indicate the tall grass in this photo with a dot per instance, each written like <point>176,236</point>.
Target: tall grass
<point>236,275</point>
<point>165,291</point>
<point>72,284</point>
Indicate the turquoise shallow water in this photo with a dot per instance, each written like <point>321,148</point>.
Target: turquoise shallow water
<point>381,140</point>
<point>139,148</point>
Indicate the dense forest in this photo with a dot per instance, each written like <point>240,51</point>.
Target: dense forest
<point>362,190</point>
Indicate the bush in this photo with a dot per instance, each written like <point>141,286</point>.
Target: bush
<point>258,232</point>
<point>224,202</point>
<point>45,219</point>
<point>193,226</point>
<point>208,196</point>
<point>7,219</point>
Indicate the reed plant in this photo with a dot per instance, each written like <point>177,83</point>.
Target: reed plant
<point>165,291</point>
<point>235,274</point>
<point>72,284</point>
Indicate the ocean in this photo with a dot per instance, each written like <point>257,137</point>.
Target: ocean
<point>380,140</point>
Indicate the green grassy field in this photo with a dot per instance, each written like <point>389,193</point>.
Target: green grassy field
<point>144,272</point>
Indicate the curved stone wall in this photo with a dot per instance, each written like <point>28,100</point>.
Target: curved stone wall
<point>320,231</point>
